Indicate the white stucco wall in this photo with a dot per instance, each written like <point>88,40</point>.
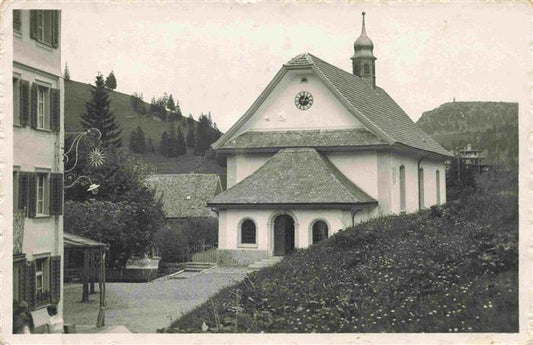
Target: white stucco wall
<point>360,167</point>
<point>230,220</point>
<point>326,111</point>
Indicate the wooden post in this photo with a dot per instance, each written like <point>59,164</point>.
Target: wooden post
<point>93,272</point>
<point>85,277</point>
<point>100,321</point>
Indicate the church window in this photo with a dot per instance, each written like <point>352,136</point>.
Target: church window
<point>320,231</point>
<point>421,188</point>
<point>248,232</point>
<point>367,69</point>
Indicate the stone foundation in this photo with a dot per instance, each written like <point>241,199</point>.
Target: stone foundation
<point>236,257</point>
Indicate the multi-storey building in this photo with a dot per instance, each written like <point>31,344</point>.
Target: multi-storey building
<point>38,134</point>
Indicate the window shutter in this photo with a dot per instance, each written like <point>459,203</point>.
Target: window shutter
<point>23,191</point>
<point>55,276</point>
<point>33,24</point>
<point>16,20</point>
<point>54,110</point>
<point>30,284</point>
<point>56,194</point>
<point>32,194</point>
<point>24,102</point>
<point>55,29</point>
<point>33,115</point>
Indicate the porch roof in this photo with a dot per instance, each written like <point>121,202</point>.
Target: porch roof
<point>295,176</point>
<point>76,241</point>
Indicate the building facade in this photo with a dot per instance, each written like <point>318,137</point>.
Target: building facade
<point>38,135</point>
<point>320,150</point>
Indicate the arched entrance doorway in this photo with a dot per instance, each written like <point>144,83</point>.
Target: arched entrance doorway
<point>283,235</point>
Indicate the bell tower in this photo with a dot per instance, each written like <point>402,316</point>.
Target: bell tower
<point>363,59</point>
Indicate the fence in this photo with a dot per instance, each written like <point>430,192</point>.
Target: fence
<point>198,253</point>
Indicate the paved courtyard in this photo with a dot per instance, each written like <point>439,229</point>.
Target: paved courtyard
<point>145,307</point>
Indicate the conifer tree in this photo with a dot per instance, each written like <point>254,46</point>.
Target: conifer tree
<point>172,142</point>
<point>98,115</point>
<point>163,146</point>
<point>111,81</point>
<point>170,103</point>
<point>181,146</point>
<point>191,140</point>
<point>66,74</point>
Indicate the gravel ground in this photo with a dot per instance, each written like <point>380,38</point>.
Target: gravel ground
<point>145,307</point>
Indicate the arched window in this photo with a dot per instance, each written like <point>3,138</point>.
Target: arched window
<point>367,69</point>
<point>421,188</point>
<point>248,232</point>
<point>437,181</point>
<point>402,188</point>
<point>320,231</point>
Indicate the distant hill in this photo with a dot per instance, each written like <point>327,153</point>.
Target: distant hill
<point>77,94</point>
<point>490,126</point>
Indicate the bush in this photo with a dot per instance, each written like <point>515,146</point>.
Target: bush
<point>450,269</point>
<point>177,241</point>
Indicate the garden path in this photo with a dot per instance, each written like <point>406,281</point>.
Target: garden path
<point>145,307</point>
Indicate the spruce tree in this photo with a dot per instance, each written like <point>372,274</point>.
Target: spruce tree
<point>170,103</point>
<point>66,74</point>
<point>203,135</point>
<point>99,115</point>
<point>111,81</point>
<point>181,146</point>
<point>191,140</point>
<point>133,141</point>
<point>163,146</point>
<point>141,141</point>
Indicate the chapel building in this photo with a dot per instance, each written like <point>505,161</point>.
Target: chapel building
<point>320,150</point>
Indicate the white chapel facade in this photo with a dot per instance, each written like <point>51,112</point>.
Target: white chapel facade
<point>320,150</point>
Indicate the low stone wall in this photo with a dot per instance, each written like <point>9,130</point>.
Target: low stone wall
<point>235,257</point>
<point>131,275</point>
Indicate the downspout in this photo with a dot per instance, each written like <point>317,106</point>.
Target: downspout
<point>214,209</point>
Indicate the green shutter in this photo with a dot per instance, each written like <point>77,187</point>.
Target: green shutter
<point>34,24</point>
<point>24,103</point>
<point>33,115</point>
<point>23,191</point>
<point>56,194</point>
<point>55,29</point>
<point>30,284</point>
<point>55,276</point>
<point>55,107</point>
<point>32,194</point>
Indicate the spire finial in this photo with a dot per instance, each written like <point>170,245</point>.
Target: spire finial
<point>363,31</point>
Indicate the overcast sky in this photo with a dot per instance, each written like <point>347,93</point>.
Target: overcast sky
<point>218,57</point>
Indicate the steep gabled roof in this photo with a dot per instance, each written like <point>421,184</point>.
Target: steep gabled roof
<point>296,176</point>
<point>304,138</point>
<point>185,195</point>
<point>372,106</point>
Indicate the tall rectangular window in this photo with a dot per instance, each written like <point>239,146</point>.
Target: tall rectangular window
<point>17,22</point>
<point>42,281</point>
<point>44,26</point>
<point>402,188</point>
<point>42,194</point>
<point>43,102</point>
<point>421,188</point>
<point>437,181</point>
<point>16,101</point>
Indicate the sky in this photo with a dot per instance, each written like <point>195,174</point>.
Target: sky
<point>218,57</point>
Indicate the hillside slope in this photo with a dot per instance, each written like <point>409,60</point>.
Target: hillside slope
<point>448,269</point>
<point>77,94</point>
<point>490,126</point>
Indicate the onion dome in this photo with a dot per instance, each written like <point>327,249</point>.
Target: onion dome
<point>363,46</point>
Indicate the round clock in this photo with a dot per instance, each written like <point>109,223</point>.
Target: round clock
<point>303,100</point>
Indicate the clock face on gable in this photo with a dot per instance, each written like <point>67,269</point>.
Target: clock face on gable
<point>303,100</point>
